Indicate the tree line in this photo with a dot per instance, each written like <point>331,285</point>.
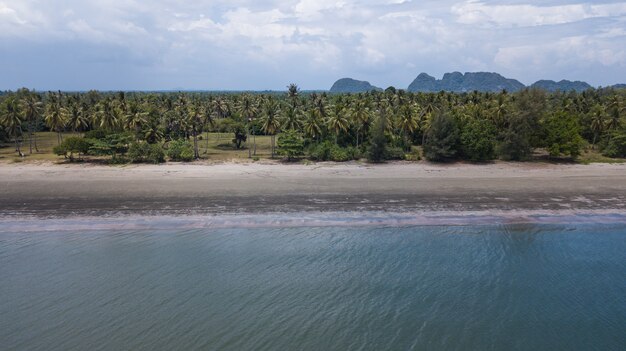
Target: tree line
<point>391,124</point>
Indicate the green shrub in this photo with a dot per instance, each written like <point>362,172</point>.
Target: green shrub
<point>442,138</point>
<point>478,140</point>
<point>616,145</point>
<point>142,152</point>
<point>353,153</point>
<point>180,150</point>
<point>328,151</point>
<point>395,153</point>
<point>72,145</point>
<point>98,134</point>
<point>563,134</point>
<point>377,151</point>
<point>290,144</point>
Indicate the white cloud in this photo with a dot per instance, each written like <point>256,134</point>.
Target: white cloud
<point>479,13</point>
<point>269,42</point>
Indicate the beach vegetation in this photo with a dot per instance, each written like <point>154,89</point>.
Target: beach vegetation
<point>379,125</point>
<point>143,152</point>
<point>290,145</point>
<point>180,150</point>
<point>442,138</point>
<point>73,145</point>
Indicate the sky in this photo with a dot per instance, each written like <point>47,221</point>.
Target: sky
<point>267,44</point>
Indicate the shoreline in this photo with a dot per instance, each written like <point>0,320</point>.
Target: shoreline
<point>49,191</point>
<point>312,219</point>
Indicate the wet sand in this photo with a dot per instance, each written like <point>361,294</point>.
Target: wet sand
<point>49,190</point>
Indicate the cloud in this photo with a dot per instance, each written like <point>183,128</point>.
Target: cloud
<point>520,15</point>
<point>245,44</point>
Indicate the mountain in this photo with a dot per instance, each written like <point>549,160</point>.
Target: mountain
<point>459,83</point>
<point>564,85</point>
<point>619,86</point>
<point>349,85</point>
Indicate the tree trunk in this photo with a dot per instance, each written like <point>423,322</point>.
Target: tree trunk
<point>207,143</point>
<point>273,136</point>
<point>30,142</point>
<point>196,155</point>
<point>35,138</point>
<point>254,141</point>
<point>248,143</point>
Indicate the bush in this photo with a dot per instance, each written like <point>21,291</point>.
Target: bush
<point>142,152</point>
<point>71,145</point>
<point>377,151</point>
<point>180,150</point>
<point>563,134</point>
<point>395,153</point>
<point>290,144</point>
<point>442,138</point>
<point>414,155</point>
<point>478,140</point>
<point>616,146</point>
<point>98,134</point>
<point>327,151</point>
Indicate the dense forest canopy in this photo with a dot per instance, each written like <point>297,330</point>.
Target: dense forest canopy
<point>379,125</point>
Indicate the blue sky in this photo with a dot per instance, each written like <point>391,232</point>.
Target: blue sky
<point>267,44</point>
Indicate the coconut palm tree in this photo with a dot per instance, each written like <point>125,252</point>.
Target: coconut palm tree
<point>407,123</point>
<point>32,107</point>
<point>12,120</point>
<point>360,115</point>
<point>248,110</point>
<point>291,118</point>
<point>312,124</point>
<point>598,124</point>
<point>270,123</point>
<point>77,118</point>
<point>292,93</point>
<point>56,115</point>
<point>135,118</point>
<point>107,114</point>
<point>337,121</point>
<point>208,120</point>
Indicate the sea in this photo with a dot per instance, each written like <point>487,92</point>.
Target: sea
<point>196,284</point>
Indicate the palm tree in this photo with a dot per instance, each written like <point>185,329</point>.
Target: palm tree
<point>32,107</point>
<point>615,114</point>
<point>56,116</point>
<point>248,110</point>
<point>135,118</point>
<point>12,120</point>
<point>312,124</point>
<point>291,118</point>
<point>107,114</point>
<point>209,121</point>
<point>360,115</point>
<point>77,119</point>
<point>407,123</point>
<point>270,123</point>
<point>337,121</point>
<point>597,122</point>
<point>195,122</point>
<point>292,93</point>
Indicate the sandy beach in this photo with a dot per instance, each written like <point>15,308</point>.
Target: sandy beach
<point>48,190</point>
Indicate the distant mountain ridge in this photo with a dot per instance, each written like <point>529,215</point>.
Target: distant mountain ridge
<point>349,85</point>
<point>458,82</point>
<point>563,85</point>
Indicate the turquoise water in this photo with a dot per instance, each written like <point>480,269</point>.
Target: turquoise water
<point>500,287</point>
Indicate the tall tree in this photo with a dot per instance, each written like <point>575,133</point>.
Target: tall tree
<point>32,107</point>
<point>337,121</point>
<point>56,116</point>
<point>12,120</point>
<point>270,120</point>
